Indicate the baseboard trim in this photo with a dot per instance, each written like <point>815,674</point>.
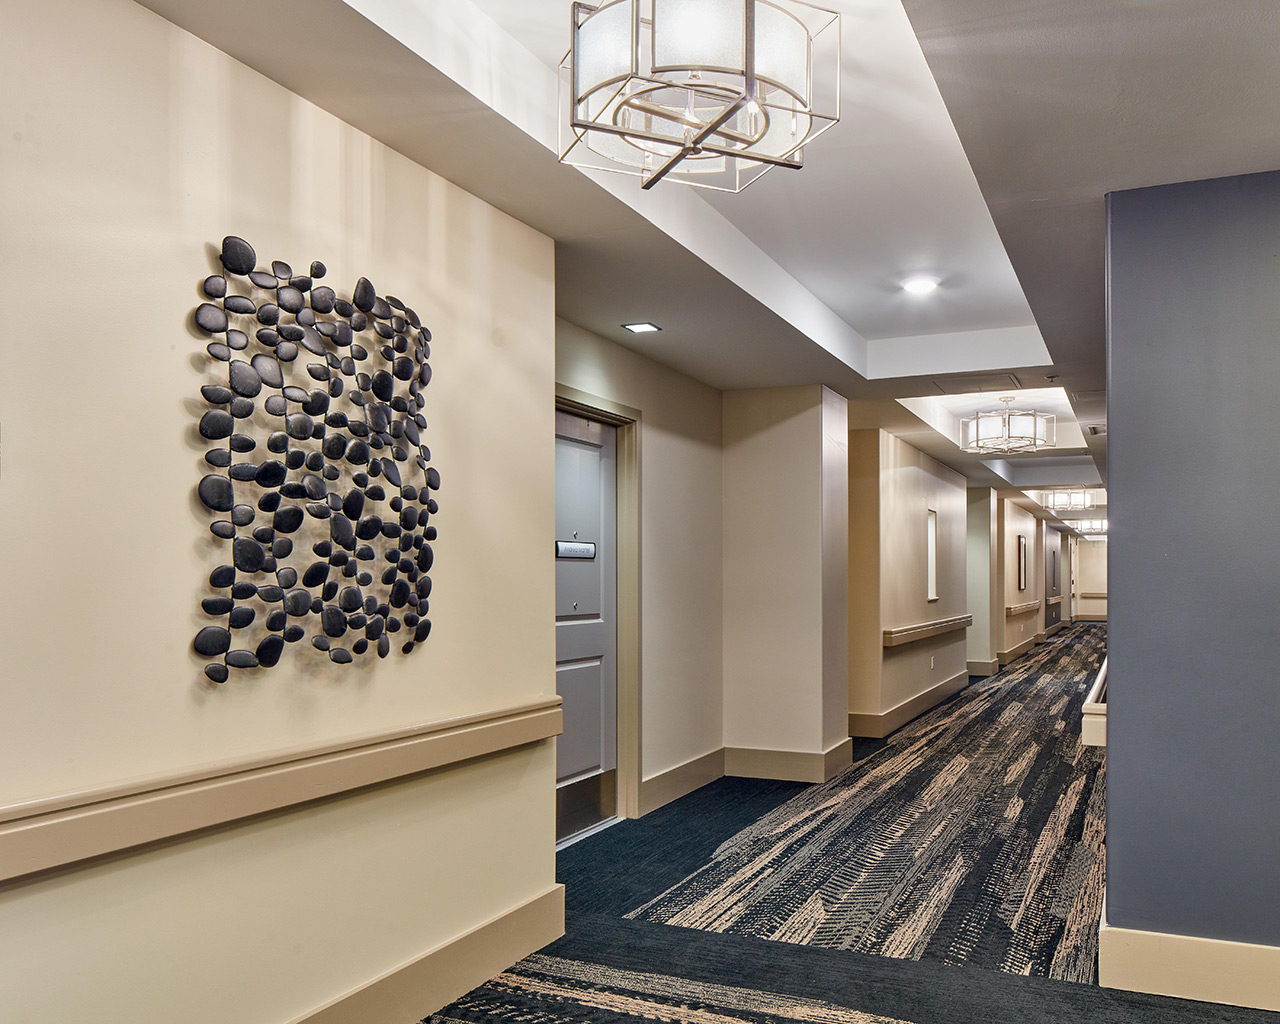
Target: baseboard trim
<point>440,975</point>
<point>984,668</point>
<point>879,726</point>
<point>1055,628</point>
<point>39,834</point>
<point>1040,637</point>
<point>790,765</point>
<point>680,780</point>
<point>1016,652</point>
<point>1088,617</point>
<point>1210,970</point>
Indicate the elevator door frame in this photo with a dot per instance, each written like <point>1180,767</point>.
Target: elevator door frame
<point>626,421</point>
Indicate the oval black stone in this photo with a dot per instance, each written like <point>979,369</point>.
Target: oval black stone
<point>322,298</point>
<point>384,330</point>
<point>350,600</point>
<point>278,442</point>
<point>215,286</point>
<point>358,428</point>
<point>300,281</point>
<point>353,504</point>
<point>335,387</point>
<point>264,535</point>
<point>340,655</point>
<point>268,370</point>
<point>293,634</point>
<point>364,296</point>
<point>383,385</point>
<point>318,510</point>
<point>269,502</point>
<point>217,672</point>
<point>369,527</point>
<point>360,646</point>
<point>268,336</point>
<point>242,659</point>
<point>216,605</point>
<point>241,408</point>
<point>248,555</point>
<point>242,515</point>
<point>316,574</point>
<point>222,577</point>
<point>270,594</point>
<point>409,517</point>
<point>276,405</point>
<point>216,394</point>
<point>318,371</point>
<point>276,620</point>
<point>384,646</point>
<point>348,366</point>
<point>298,425</point>
<point>381,309</point>
<point>290,299</point>
<point>334,446</point>
<point>315,460</point>
<point>293,489</point>
<point>358,322</point>
<point>281,269</point>
<point>294,459</point>
<point>318,269</point>
<point>244,379</point>
<point>403,368</point>
<point>327,328</point>
<point>433,479</point>
<point>286,351</point>
<point>342,335</point>
<point>212,641</point>
<point>391,471</point>
<point>333,621</point>
<point>242,443</point>
<point>269,314</point>
<point>374,628</point>
<point>269,651</point>
<point>216,424</point>
<point>238,255</point>
<point>340,529</point>
<point>262,279</point>
<point>424,374</point>
<point>297,602</point>
<point>215,492</point>
<point>210,318</point>
<point>241,617</point>
<point>317,403</point>
<point>239,304</point>
<point>287,519</point>
<point>357,453</point>
<point>314,487</point>
<point>243,591</point>
<point>425,557</point>
<point>424,588</point>
<point>320,643</point>
<point>399,594</point>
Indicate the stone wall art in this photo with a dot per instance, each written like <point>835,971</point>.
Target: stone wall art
<point>320,487</point>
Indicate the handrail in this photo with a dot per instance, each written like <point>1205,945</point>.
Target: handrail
<point>923,630</point>
<point>1018,609</point>
<point>1098,694</point>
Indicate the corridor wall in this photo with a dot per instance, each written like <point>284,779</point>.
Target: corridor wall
<point>1021,606</point>
<point>128,150</point>
<point>1091,580</point>
<point>907,647</point>
<point>681,598</point>
<point>1193,760</point>
<point>985,636</point>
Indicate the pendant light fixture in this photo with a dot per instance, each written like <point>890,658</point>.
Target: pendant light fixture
<point>1069,499</point>
<point>712,93</point>
<point>1008,431</point>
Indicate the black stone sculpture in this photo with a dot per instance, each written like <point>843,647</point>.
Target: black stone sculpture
<point>339,426</point>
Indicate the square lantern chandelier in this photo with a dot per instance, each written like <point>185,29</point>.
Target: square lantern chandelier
<point>1008,431</point>
<point>1069,500</point>
<point>712,93</point>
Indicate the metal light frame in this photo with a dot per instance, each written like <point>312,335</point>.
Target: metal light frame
<point>716,135</point>
<point>1070,500</point>
<point>1090,527</point>
<point>1005,431</point>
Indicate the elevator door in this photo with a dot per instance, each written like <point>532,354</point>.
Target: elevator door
<point>586,630</point>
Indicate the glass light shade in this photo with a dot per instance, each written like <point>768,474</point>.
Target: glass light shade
<point>1007,431</point>
<point>708,92</point>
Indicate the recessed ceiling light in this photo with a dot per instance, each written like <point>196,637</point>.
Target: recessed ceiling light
<point>919,285</point>
<point>644,328</point>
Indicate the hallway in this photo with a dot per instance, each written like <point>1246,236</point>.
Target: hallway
<point>973,837</point>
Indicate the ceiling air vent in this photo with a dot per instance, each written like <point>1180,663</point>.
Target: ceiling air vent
<point>968,385</point>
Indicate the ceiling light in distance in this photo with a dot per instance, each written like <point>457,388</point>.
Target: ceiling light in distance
<point>1007,431</point>
<point>708,92</point>
<point>1070,499</point>
<point>644,328</point>
<point>920,285</point>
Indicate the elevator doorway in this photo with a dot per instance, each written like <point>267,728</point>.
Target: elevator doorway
<point>586,622</point>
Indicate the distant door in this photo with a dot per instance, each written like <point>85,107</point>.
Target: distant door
<point>586,623</point>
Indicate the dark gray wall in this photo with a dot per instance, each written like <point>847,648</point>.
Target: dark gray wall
<point>1052,543</point>
<point>1193,844</point>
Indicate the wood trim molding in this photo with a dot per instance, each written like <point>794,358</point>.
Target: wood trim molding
<point>1189,967</point>
<point>40,834</point>
<point>899,635</point>
<point>1016,652</point>
<point>793,765</point>
<point>1054,600</point>
<point>441,975</point>
<point>681,780</point>
<point>881,725</point>
<point>1056,627</point>
<point>1089,617</point>
<point>1021,609</point>
<point>984,668</point>
<point>1094,596</point>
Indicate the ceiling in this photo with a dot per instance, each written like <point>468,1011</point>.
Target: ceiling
<point>977,142</point>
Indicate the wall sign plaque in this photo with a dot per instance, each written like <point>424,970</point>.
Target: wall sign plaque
<point>318,481</point>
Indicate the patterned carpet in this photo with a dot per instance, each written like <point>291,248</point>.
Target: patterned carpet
<point>975,836</point>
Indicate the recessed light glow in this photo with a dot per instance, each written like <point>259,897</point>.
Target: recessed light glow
<point>919,285</point>
<point>644,328</point>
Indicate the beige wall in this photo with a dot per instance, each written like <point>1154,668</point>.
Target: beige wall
<point>1014,522</point>
<point>780,508</point>
<point>983,638</point>
<point>129,148</point>
<point>892,488</point>
<point>1091,577</point>
<point>835,568</point>
<point>680,513</point>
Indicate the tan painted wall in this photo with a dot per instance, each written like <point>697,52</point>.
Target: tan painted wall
<point>1015,521</point>
<point>777,569</point>
<point>981,576</point>
<point>866,638</point>
<point>1091,577</point>
<point>680,525</point>
<point>835,569</point>
<point>127,148</point>
<point>911,483</point>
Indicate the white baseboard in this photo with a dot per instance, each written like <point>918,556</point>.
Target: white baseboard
<point>680,780</point>
<point>879,726</point>
<point>1016,652</point>
<point>984,668</point>
<point>1054,628</point>
<point>1210,970</point>
<point>1089,617</point>
<point>793,765</point>
<point>439,976</point>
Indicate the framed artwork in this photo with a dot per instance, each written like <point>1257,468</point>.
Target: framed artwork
<point>1022,562</point>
